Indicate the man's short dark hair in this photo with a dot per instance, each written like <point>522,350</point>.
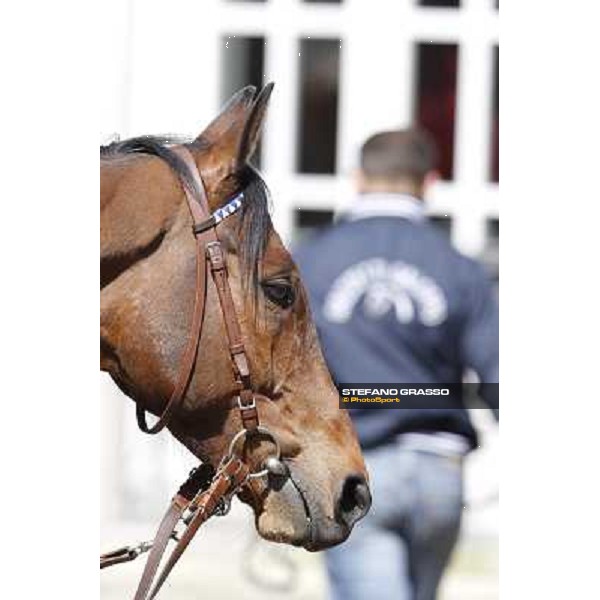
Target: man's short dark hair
<point>400,154</point>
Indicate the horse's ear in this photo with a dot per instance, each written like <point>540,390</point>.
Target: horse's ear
<point>231,119</point>
<point>252,129</point>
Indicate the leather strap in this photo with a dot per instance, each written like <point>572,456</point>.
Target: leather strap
<point>237,350</point>
<point>216,257</point>
<point>208,247</point>
<point>200,213</point>
<point>189,353</point>
<point>198,481</point>
<point>163,535</point>
<point>118,556</point>
<point>203,504</point>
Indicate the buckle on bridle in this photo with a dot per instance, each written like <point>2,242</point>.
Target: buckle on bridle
<point>250,406</point>
<point>214,251</point>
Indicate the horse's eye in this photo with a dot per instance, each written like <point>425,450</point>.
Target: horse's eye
<point>280,292</point>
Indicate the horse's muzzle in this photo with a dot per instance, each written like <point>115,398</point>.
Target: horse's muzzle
<point>352,502</point>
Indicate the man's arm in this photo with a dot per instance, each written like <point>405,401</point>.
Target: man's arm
<point>480,336</point>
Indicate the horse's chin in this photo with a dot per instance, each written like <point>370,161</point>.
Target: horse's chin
<point>289,516</point>
<point>284,517</point>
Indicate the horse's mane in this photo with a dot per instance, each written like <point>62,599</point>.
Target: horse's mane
<point>255,223</point>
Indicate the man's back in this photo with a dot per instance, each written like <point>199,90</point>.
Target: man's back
<point>394,302</point>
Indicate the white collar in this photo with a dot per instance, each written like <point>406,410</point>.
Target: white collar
<point>386,205</point>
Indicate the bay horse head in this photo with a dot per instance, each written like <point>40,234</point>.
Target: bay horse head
<point>148,282</point>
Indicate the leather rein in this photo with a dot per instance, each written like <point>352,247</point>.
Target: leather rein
<point>206,491</point>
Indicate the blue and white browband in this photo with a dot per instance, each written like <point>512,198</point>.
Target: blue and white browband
<point>221,213</point>
<point>228,209</point>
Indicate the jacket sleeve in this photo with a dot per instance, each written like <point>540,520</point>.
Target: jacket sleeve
<point>480,336</point>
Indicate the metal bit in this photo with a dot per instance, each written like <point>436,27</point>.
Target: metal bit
<point>276,467</point>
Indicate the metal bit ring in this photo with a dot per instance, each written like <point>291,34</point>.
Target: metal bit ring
<point>242,435</point>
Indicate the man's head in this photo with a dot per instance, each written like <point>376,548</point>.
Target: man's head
<point>401,161</point>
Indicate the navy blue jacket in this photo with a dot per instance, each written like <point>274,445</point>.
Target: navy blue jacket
<point>394,302</point>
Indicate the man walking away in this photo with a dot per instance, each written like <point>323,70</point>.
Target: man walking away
<point>395,303</point>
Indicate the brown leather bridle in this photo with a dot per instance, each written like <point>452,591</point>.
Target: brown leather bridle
<point>206,491</point>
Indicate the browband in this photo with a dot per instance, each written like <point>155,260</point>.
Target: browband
<point>228,209</point>
<point>221,213</point>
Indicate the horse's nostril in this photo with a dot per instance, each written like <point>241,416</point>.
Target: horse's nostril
<point>355,500</point>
